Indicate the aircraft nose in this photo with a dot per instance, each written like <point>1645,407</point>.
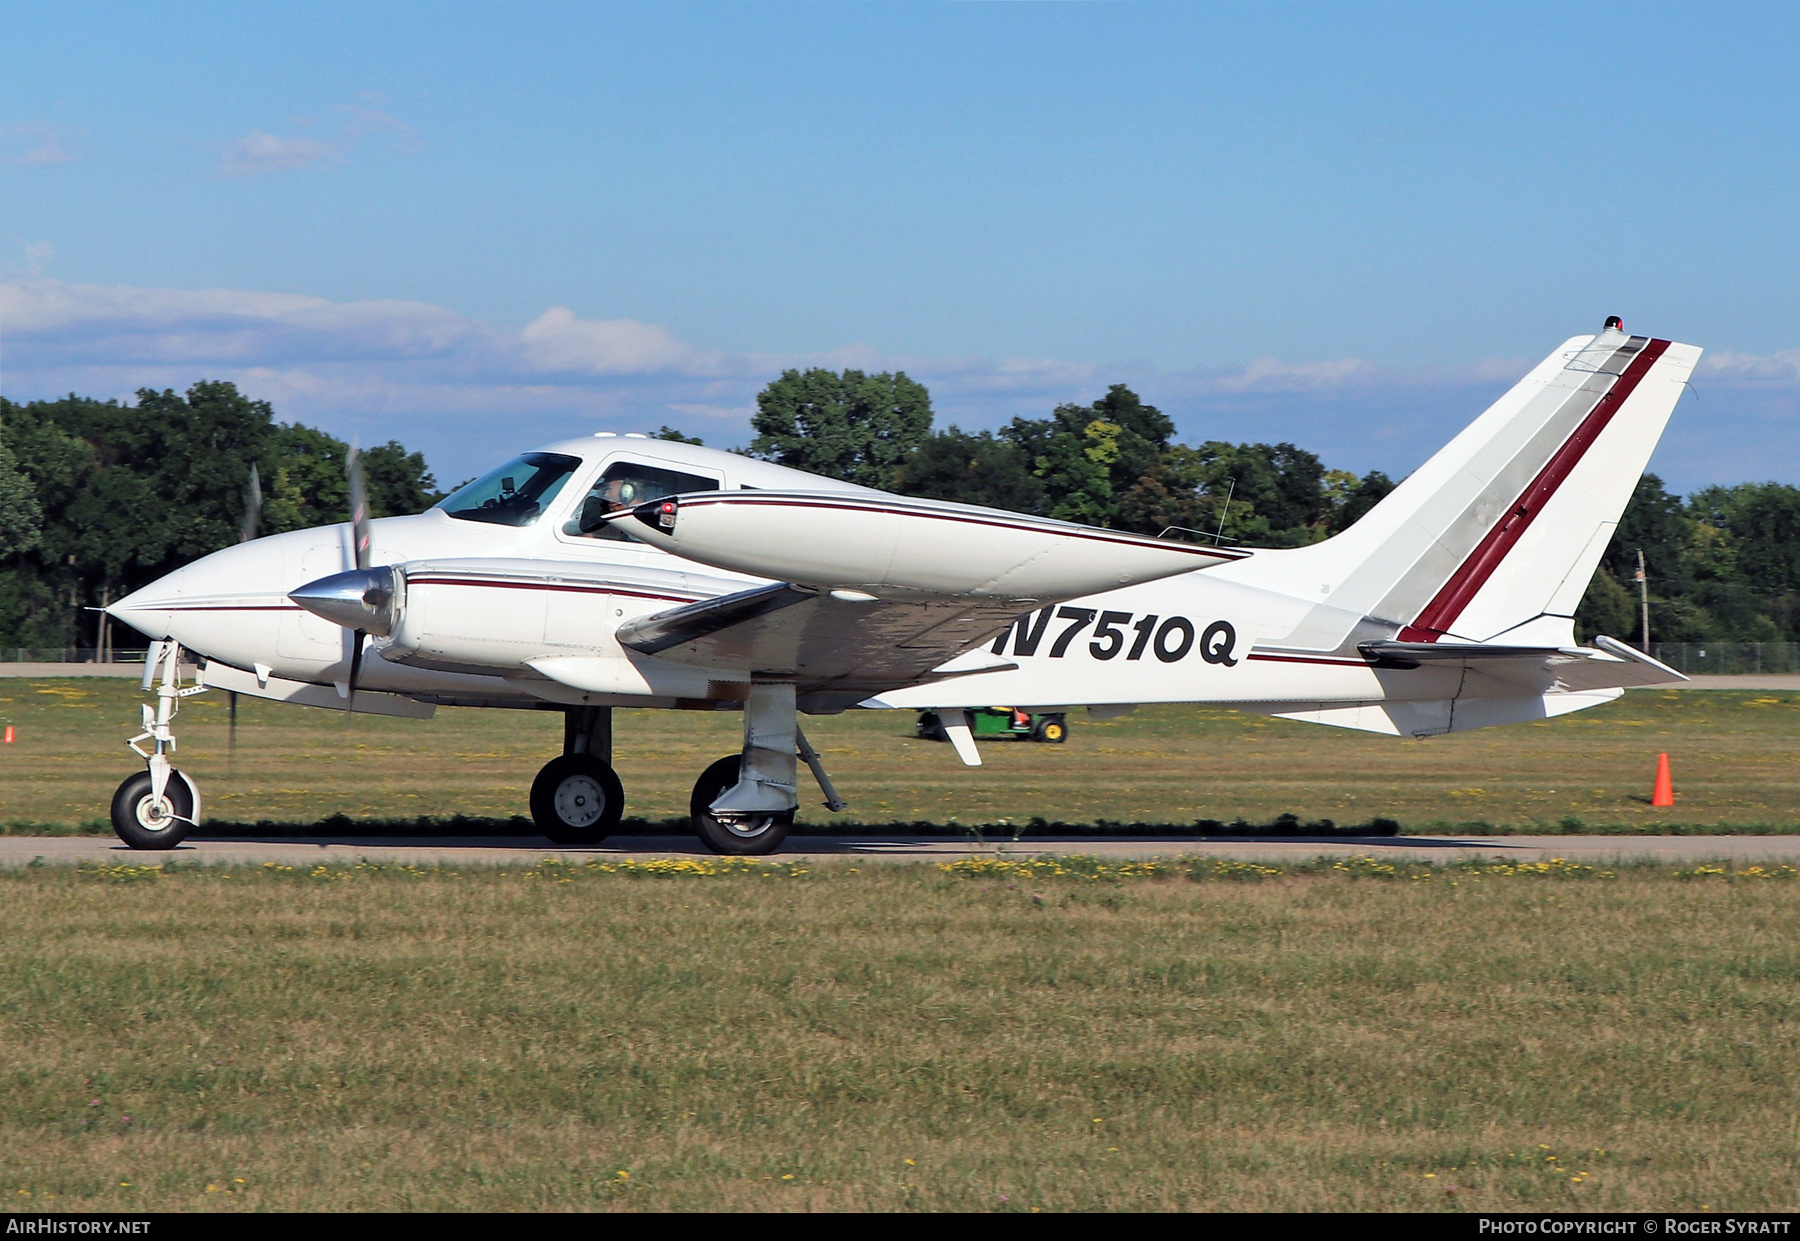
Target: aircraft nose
<point>184,605</point>
<point>150,610</point>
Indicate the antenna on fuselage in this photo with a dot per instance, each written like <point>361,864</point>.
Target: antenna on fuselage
<point>1219,536</point>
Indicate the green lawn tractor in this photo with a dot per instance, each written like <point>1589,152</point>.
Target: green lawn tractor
<point>1051,727</point>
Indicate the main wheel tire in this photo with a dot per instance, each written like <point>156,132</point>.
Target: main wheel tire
<point>577,800</point>
<point>147,823</point>
<point>745,837</point>
<point>1053,729</point>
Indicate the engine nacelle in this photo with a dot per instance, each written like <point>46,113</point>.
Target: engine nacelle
<point>514,619</point>
<point>896,548</point>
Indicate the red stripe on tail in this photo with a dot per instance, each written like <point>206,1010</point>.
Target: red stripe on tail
<point>1448,604</point>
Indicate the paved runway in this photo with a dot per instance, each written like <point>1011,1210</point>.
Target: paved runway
<point>494,851</point>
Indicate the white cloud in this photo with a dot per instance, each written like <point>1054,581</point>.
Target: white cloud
<point>557,341</point>
<point>36,142</point>
<point>468,392</point>
<point>357,122</point>
<point>1781,368</point>
<point>1270,375</point>
<point>737,415</point>
<point>259,152</point>
<point>44,307</point>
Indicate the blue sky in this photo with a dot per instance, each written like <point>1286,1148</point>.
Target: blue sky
<point>473,227</point>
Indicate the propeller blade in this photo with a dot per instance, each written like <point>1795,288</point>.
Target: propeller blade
<point>231,760</point>
<point>359,508</point>
<point>252,508</point>
<point>356,653</point>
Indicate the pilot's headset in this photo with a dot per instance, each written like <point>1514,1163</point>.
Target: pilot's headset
<point>628,492</point>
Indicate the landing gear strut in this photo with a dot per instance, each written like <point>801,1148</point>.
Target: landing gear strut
<point>158,807</point>
<point>577,798</point>
<point>745,804</point>
<point>741,805</point>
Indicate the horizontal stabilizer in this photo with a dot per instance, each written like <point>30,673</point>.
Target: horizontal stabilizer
<point>1547,669</point>
<point>897,548</point>
<point>1434,717</point>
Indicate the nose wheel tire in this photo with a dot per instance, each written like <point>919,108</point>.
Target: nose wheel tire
<point>146,822</point>
<point>577,800</point>
<point>737,836</point>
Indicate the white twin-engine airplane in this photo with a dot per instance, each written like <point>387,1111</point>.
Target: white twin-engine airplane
<point>629,572</point>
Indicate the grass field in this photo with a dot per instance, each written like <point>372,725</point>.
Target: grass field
<point>1734,756</point>
<point>996,1036</point>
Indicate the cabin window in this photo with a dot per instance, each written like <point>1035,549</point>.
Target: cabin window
<point>626,484</point>
<point>516,493</point>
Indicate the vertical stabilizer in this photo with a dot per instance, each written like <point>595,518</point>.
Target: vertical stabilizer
<point>1496,537</point>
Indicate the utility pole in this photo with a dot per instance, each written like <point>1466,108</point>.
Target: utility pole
<point>1644,600</point>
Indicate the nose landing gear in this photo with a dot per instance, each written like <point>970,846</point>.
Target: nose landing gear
<point>159,806</point>
<point>577,798</point>
<point>145,819</point>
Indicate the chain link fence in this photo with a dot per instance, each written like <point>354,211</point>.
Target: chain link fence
<point>68,655</point>
<point>1728,658</point>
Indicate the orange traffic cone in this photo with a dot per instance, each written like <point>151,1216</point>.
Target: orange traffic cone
<point>9,740</point>
<point>1665,788</point>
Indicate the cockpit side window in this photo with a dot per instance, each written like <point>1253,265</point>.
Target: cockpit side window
<point>626,484</point>
<point>516,494</point>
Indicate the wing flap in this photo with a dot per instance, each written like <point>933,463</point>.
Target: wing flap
<point>820,640</point>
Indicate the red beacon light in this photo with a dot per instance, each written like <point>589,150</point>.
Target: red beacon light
<point>657,514</point>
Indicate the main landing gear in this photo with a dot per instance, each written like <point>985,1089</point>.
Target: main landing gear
<point>159,806</point>
<point>742,805</point>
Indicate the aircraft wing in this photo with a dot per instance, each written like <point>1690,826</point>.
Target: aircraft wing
<point>839,647</point>
<point>875,591</point>
<point>1540,669</point>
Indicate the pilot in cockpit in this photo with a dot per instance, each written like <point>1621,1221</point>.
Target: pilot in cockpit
<point>627,485</point>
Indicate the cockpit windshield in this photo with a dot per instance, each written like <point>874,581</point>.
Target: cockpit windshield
<point>516,493</point>
<point>625,485</point>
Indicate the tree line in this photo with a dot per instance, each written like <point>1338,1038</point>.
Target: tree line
<point>1110,463</point>
<point>99,497</point>
<point>1723,565</point>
